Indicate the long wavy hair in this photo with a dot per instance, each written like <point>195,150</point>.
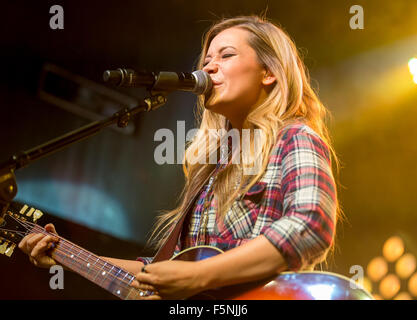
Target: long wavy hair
<point>290,99</point>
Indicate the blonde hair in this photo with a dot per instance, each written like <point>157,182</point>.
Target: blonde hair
<point>290,99</point>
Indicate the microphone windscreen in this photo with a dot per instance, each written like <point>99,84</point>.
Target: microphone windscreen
<point>203,82</point>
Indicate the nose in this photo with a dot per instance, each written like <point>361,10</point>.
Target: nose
<point>211,67</point>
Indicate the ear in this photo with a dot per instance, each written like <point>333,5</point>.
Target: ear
<point>269,78</point>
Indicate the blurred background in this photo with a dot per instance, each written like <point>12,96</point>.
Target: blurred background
<point>103,193</point>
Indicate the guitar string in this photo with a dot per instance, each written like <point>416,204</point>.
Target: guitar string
<point>94,268</point>
<point>124,284</point>
<point>64,243</point>
<point>66,250</point>
<point>100,266</point>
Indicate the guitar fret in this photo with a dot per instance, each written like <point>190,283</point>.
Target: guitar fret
<point>87,266</point>
<point>88,263</point>
<point>72,255</point>
<point>118,290</point>
<point>75,259</point>
<point>130,291</point>
<point>105,275</point>
<point>99,270</point>
<point>88,273</point>
<point>115,279</point>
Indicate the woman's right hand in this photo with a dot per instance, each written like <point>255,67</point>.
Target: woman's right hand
<point>36,246</point>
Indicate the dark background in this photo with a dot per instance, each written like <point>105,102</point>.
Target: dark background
<point>104,193</point>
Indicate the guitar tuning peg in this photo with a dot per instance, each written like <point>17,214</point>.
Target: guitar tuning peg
<point>9,250</point>
<point>37,214</point>
<point>3,247</point>
<point>23,209</point>
<point>29,213</point>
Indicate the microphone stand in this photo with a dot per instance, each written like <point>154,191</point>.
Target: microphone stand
<point>8,186</point>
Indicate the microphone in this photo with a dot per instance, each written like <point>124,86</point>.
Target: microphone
<point>198,82</point>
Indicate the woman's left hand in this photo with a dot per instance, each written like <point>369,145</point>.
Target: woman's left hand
<point>170,280</point>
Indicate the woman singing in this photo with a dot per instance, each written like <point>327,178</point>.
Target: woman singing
<point>278,216</point>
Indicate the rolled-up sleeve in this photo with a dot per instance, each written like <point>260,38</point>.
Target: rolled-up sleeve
<point>145,260</point>
<point>305,231</point>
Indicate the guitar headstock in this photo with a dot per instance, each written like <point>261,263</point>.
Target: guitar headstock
<point>17,222</point>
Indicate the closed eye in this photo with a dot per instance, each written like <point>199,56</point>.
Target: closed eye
<point>225,56</point>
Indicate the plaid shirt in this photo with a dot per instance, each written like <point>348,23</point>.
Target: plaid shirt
<point>293,205</point>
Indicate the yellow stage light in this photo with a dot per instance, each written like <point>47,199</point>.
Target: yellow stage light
<point>389,286</point>
<point>412,285</point>
<point>393,248</point>
<point>412,65</point>
<point>405,266</point>
<point>377,268</point>
<point>403,296</point>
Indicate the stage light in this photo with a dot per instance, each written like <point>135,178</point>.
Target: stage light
<point>392,276</point>
<point>412,66</point>
<point>389,286</point>
<point>393,248</point>
<point>405,266</point>
<point>403,296</point>
<point>377,268</point>
<point>412,285</point>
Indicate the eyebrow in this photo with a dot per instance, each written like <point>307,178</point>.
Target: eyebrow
<point>221,49</point>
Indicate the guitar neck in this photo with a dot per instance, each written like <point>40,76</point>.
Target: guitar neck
<point>108,276</point>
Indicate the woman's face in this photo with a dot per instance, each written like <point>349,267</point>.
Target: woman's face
<point>239,80</point>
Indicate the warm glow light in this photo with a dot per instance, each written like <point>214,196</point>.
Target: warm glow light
<point>377,268</point>
<point>389,286</point>
<point>405,266</point>
<point>393,248</point>
<point>403,296</point>
<point>412,285</point>
<point>412,65</point>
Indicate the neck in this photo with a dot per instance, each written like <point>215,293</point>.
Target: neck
<point>237,123</point>
<point>103,273</point>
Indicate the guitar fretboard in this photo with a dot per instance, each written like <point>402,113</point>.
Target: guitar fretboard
<point>108,276</point>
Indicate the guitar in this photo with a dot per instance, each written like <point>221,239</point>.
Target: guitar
<point>20,221</point>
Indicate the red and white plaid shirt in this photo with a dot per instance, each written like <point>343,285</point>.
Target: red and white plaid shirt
<point>293,205</point>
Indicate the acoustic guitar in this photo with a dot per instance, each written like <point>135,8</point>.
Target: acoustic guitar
<point>311,285</point>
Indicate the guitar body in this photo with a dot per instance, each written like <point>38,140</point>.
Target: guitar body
<point>309,285</point>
